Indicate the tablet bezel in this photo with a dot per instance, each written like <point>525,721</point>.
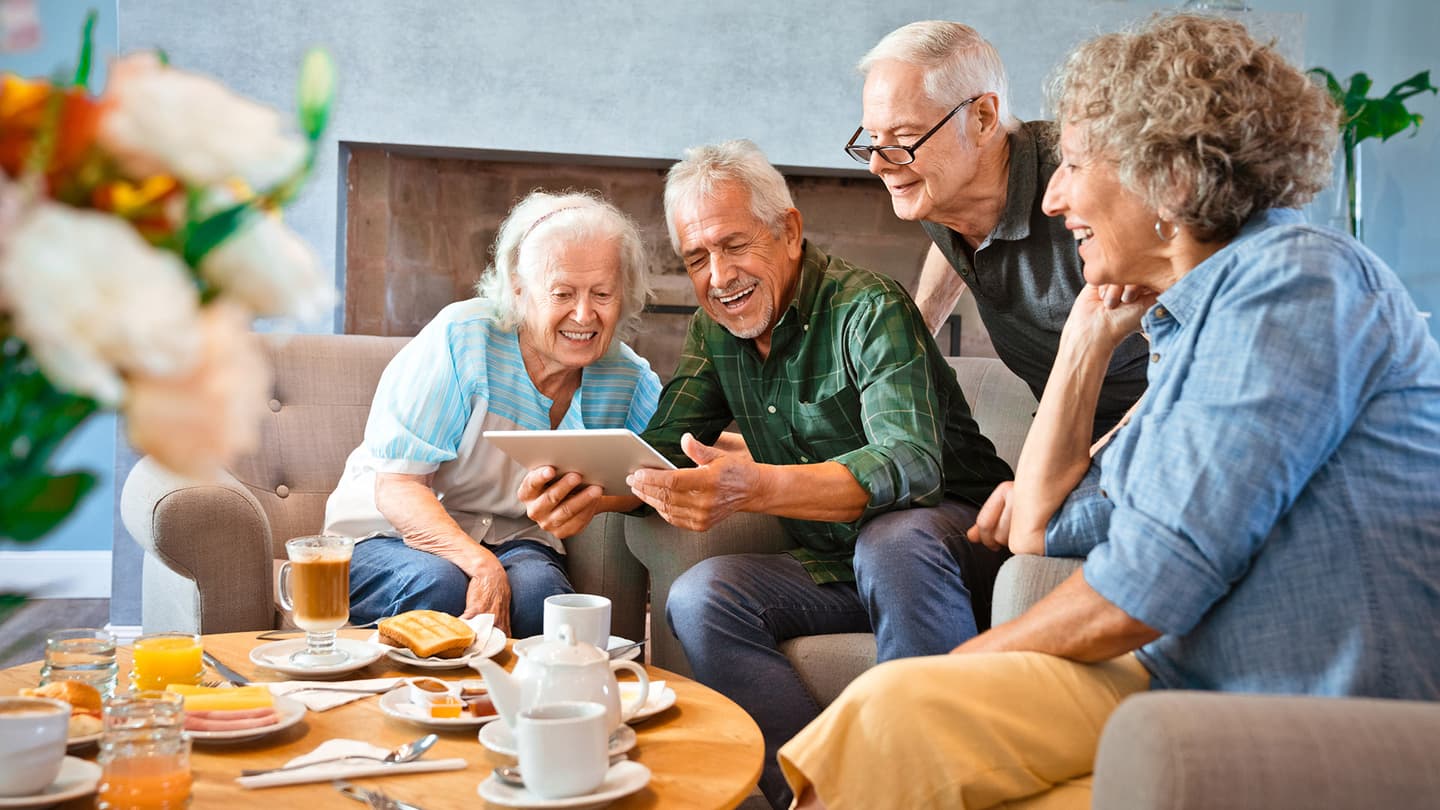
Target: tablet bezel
<point>602,456</point>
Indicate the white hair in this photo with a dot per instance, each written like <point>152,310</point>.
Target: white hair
<point>542,224</point>
<point>739,161</point>
<point>958,63</point>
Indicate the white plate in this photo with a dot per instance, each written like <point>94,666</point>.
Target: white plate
<point>623,778</point>
<point>521,645</point>
<point>84,740</point>
<point>498,738</point>
<point>660,698</point>
<point>77,778</point>
<point>291,711</point>
<point>488,647</point>
<point>397,704</point>
<point>276,656</point>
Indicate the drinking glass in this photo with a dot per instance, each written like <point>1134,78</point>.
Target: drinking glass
<point>144,755</point>
<point>81,654</point>
<point>161,659</point>
<point>315,587</point>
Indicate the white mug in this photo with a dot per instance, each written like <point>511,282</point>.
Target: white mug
<point>32,743</point>
<point>563,748</point>
<point>587,614</point>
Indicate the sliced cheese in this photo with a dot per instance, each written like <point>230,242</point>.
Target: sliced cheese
<point>218,699</point>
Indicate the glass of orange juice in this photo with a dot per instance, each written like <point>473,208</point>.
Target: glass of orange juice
<point>161,659</point>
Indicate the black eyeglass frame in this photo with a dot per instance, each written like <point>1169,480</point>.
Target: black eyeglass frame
<point>862,152</point>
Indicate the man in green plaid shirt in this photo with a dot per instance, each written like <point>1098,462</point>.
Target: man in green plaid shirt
<point>856,435</point>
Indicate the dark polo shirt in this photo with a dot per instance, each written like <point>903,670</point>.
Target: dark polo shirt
<point>1026,275</point>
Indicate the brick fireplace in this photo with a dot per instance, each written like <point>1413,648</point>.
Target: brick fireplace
<point>419,227</point>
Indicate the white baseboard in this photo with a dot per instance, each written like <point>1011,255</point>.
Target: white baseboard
<point>124,633</point>
<point>57,574</point>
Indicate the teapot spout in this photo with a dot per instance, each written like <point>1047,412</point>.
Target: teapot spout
<point>504,689</point>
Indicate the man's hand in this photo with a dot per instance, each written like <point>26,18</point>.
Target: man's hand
<point>489,591</point>
<point>992,524</point>
<point>560,506</point>
<point>722,484</point>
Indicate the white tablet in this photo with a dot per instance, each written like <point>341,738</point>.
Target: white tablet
<point>601,457</point>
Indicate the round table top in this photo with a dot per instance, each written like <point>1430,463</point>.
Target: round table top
<point>703,752</point>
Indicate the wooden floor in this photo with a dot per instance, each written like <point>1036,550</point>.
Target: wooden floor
<point>22,638</point>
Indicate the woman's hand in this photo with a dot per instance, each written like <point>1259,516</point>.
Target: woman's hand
<point>1104,316</point>
<point>489,589</point>
<point>561,506</point>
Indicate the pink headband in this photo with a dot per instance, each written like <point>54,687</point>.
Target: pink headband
<point>537,222</point>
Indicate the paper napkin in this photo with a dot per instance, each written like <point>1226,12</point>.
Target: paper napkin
<point>321,695</point>
<point>349,769</point>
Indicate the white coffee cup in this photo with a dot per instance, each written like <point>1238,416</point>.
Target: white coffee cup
<point>587,614</point>
<point>563,748</point>
<point>32,743</point>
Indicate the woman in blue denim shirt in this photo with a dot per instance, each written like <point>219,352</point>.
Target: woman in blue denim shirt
<point>1267,519</point>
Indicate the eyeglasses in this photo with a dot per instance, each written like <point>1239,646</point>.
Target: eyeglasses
<point>895,153</point>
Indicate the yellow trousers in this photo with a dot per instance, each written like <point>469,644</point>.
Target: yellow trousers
<point>963,731</point>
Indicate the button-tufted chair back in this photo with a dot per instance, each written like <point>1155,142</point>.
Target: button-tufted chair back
<point>322,393</point>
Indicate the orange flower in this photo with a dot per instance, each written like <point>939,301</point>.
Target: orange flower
<point>23,107</point>
<point>154,206</point>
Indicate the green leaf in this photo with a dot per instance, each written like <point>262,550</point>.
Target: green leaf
<point>205,235</point>
<point>87,51</point>
<point>1419,83</point>
<point>32,507</point>
<point>1359,85</point>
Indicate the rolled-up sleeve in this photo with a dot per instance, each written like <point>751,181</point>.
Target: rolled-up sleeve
<point>1263,390</point>
<point>1082,520</point>
<point>419,412</point>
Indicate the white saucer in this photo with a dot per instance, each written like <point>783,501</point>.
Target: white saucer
<point>623,778</point>
<point>77,778</point>
<point>499,738</point>
<point>396,703</point>
<point>291,711</point>
<point>488,647</point>
<point>276,656</point>
<point>523,644</point>
<point>660,698</point>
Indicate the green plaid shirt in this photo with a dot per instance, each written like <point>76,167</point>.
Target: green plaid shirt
<point>854,377</point>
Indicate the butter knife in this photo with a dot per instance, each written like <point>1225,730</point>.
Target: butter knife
<point>235,678</point>
<point>376,799</point>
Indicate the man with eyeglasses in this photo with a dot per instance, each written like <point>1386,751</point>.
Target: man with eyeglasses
<point>937,129</point>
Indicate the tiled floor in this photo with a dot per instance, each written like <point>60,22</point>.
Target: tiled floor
<point>22,637</point>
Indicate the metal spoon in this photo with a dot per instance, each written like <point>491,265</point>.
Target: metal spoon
<point>510,775</point>
<point>407,752</point>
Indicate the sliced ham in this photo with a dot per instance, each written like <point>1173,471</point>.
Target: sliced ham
<point>230,720</point>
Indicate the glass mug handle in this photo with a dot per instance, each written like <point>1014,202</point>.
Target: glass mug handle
<point>284,587</point>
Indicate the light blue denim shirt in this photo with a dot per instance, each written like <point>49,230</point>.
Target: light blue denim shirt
<point>1273,506</point>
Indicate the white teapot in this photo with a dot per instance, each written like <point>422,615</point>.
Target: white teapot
<point>561,669</point>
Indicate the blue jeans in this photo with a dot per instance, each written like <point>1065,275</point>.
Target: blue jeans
<point>915,577</point>
<point>388,577</point>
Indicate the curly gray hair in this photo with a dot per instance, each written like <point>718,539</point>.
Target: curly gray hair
<point>541,224</point>
<point>1207,125</point>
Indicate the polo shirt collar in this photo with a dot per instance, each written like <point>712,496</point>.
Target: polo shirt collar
<point>1014,222</point>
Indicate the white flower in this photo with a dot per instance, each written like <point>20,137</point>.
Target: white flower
<point>160,119</point>
<point>196,422</point>
<point>271,270</point>
<point>94,301</point>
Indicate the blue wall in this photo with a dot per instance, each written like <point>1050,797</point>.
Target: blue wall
<point>93,446</point>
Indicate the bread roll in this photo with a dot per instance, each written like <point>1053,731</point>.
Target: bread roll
<point>427,633</point>
<point>80,695</point>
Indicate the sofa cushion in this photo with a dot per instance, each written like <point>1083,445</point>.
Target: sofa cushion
<point>827,664</point>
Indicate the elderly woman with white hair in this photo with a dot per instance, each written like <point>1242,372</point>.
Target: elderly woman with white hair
<point>1267,519</point>
<point>433,505</point>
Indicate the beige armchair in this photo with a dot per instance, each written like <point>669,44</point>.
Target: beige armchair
<point>1002,405</point>
<point>211,548</point>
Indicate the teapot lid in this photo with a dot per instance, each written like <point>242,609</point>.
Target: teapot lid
<point>566,650</point>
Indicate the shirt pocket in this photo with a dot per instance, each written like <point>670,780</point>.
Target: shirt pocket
<point>829,426</point>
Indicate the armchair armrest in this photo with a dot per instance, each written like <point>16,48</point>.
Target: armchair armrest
<point>598,561</point>
<point>1024,580</point>
<point>667,552</point>
<point>1256,752</point>
<point>207,551</point>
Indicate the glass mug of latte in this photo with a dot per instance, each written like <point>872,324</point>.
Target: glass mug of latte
<point>315,587</point>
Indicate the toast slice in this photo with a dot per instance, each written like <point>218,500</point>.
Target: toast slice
<point>427,633</point>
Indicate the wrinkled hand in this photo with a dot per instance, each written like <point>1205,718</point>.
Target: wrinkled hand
<point>1106,315</point>
<point>992,524</point>
<point>561,505</point>
<point>489,592</point>
<point>702,497</point>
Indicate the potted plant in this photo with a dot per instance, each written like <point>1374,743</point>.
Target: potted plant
<point>1363,118</point>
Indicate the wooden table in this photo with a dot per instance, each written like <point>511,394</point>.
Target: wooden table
<point>704,752</point>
